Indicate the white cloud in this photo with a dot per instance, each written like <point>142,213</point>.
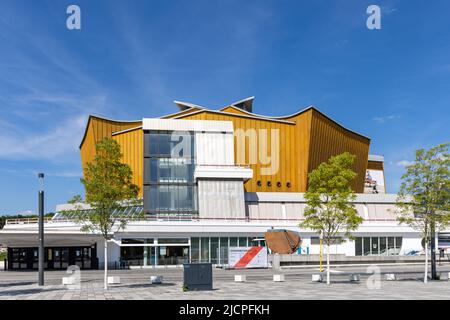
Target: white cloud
<point>383,119</point>
<point>66,174</point>
<point>59,140</point>
<point>404,163</point>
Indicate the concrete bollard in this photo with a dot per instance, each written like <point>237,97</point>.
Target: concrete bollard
<point>444,276</point>
<point>278,277</point>
<point>68,280</point>
<point>114,280</point>
<point>354,277</point>
<point>240,278</point>
<point>276,261</point>
<point>317,278</point>
<point>390,277</point>
<point>156,279</point>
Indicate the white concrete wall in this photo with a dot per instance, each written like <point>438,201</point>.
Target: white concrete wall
<point>221,199</point>
<point>113,253</point>
<point>214,148</point>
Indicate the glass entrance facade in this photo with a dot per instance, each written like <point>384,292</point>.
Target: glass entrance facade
<point>145,252</point>
<point>215,249</point>
<point>388,246</point>
<point>54,258</point>
<point>169,163</point>
<point>176,251</point>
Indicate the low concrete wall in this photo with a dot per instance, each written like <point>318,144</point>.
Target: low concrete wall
<point>313,259</point>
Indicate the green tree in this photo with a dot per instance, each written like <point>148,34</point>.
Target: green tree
<point>75,199</point>
<point>330,211</point>
<point>423,201</point>
<point>109,188</point>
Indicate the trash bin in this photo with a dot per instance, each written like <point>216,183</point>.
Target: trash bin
<point>197,276</point>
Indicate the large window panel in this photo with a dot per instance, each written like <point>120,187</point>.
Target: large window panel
<point>366,251</point>
<point>215,250</point>
<point>383,246</point>
<point>224,250</point>
<point>164,198</point>
<point>195,249</point>
<point>358,246</point>
<point>169,176</point>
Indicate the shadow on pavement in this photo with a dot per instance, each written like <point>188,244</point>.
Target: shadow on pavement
<point>144,285</point>
<point>16,284</point>
<point>24,292</point>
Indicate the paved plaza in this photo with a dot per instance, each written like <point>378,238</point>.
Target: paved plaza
<point>135,285</point>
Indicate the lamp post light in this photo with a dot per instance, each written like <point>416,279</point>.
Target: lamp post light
<point>41,229</point>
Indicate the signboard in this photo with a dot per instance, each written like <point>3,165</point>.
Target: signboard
<point>247,257</point>
<point>374,181</point>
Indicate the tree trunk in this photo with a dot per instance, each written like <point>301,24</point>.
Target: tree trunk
<point>425,278</point>
<point>328,264</point>
<point>106,265</point>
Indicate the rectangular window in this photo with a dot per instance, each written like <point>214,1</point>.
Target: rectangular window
<point>398,245</point>
<point>215,250</point>
<point>375,247</point>
<point>224,250</point>
<point>136,240</point>
<point>366,251</point>
<point>173,240</point>
<point>169,165</point>
<point>391,246</point>
<point>383,246</point>
<point>242,242</point>
<point>316,240</point>
<point>358,246</point>
<point>205,250</point>
<point>195,249</point>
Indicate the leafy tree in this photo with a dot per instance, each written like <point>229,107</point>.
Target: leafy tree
<point>423,201</point>
<point>329,210</point>
<point>109,188</point>
<point>75,199</point>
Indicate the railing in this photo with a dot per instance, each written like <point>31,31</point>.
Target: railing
<point>26,220</point>
<point>187,218</point>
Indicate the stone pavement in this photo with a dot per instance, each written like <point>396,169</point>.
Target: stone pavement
<point>298,285</point>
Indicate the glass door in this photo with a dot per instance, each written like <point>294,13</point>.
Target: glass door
<point>56,258</point>
<point>64,258</point>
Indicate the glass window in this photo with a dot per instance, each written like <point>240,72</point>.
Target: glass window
<point>358,246</point>
<point>163,198</point>
<point>391,246</point>
<point>398,245</point>
<point>195,250</point>
<point>173,240</point>
<point>233,242</point>
<point>205,250</point>
<point>223,250</point>
<point>169,174</point>
<point>366,251</point>
<point>383,246</point>
<point>215,250</point>
<point>137,240</point>
<point>375,246</point>
<point>242,242</point>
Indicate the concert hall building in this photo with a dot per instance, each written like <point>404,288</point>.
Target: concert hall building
<point>214,179</point>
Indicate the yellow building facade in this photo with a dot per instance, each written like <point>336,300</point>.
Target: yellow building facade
<point>281,151</point>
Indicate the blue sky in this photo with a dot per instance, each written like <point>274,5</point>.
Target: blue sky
<point>131,59</point>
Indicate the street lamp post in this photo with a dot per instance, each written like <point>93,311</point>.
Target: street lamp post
<point>320,245</point>
<point>41,229</point>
